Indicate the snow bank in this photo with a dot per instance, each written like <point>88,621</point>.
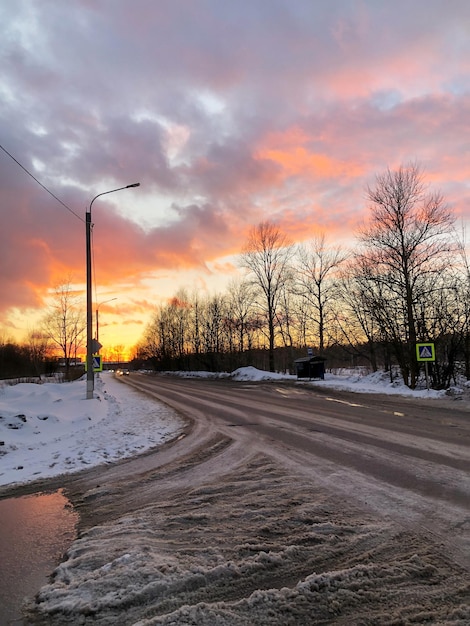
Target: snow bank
<point>51,429</point>
<point>251,373</point>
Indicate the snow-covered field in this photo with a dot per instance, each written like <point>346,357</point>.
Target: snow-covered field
<point>51,429</point>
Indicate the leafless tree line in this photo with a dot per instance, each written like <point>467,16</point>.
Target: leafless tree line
<point>61,331</point>
<point>407,280</point>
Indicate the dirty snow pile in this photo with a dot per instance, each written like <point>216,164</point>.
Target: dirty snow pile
<point>51,429</point>
<point>256,547</point>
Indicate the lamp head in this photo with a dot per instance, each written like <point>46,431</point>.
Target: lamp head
<point>133,185</point>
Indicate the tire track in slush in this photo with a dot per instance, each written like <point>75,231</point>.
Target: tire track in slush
<point>414,486</point>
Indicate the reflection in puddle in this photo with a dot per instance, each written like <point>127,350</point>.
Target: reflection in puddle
<point>35,531</point>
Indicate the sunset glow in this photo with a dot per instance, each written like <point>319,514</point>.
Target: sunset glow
<point>228,114</point>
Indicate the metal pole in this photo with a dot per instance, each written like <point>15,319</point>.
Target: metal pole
<point>97,316</point>
<point>90,380</point>
<point>89,314</point>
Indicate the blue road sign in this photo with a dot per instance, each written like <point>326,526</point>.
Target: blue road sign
<point>425,352</point>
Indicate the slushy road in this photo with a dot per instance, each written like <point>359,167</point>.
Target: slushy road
<point>407,459</point>
<point>278,503</point>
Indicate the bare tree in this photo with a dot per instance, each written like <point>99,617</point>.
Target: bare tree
<point>461,289</point>
<point>152,345</point>
<point>267,257</point>
<point>167,338</point>
<point>355,324</point>
<point>316,281</point>
<point>65,323</point>
<point>38,347</point>
<point>240,309</point>
<point>406,245</point>
<point>212,326</point>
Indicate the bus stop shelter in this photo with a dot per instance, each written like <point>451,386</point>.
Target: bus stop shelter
<point>310,367</point>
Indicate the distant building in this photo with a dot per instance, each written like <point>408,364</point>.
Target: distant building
<point>75,361</point>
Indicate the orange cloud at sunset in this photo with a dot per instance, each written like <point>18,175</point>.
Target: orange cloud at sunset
<point>299,162</point>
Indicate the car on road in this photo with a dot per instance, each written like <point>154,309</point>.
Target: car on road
<point>122,372</point>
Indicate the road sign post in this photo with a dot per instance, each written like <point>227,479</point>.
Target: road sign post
<point>425,353</point>
<point>97,363</point>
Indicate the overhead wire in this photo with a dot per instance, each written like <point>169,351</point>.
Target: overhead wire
<point>62,203</point>
<point>39,183</point>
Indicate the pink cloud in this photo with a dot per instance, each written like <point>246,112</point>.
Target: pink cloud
<point>289,110</point>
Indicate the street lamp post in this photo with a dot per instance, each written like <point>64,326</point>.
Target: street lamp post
<point>97,319</point>
<point>90,380</point>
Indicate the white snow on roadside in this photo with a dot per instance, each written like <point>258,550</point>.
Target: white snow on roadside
<point>51,429</point>
<point>346,379</point>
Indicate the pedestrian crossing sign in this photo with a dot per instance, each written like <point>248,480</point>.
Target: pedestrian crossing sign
<point>97,363</point>
<point>425,352</point>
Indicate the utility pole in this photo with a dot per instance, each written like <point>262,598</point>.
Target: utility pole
<point>97,336</point>
<point>90,343</point>
<point>90,383</point>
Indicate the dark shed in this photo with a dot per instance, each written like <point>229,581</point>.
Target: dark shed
<point>310,367</point>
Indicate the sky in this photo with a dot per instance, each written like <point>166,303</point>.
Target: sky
<point>227,114</point>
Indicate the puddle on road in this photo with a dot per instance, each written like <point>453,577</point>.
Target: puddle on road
<point>35,531</point>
